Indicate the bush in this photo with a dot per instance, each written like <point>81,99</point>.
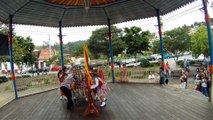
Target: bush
<point>145,63</point>
<point>3,79</point>
<point>180,63</point>
<point>192,62</point>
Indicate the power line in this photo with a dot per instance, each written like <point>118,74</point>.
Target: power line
<point>182,13</point>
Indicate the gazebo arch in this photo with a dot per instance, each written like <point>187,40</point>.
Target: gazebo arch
<point>60,13</point>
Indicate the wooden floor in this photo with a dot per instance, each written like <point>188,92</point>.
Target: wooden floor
<point>125,102</point>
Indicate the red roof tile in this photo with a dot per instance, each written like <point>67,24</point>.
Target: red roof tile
<point>44,54</point>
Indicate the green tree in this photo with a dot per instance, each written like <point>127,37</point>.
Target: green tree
<point>155,47</point>
<point>78,50</point>
<point>54,58</point>
<point>177,40</point>
<point>22,50</point>
<point>98,43</point>
<point>137,41</point>
<point>199,42</point>
<point>74,48</point>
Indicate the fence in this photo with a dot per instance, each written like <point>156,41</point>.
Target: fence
<point>26,85</point>
<point>134,75</point>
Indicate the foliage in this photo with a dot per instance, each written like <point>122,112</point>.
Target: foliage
<point>98,43</point>
<point>52,59</point>
<point>74,48</point>
<point>136,40</point>
<point>199,42</point>
<point>4,58</point>
<point>145,63</point>
<point>156,46</point>
<point>22,50</point>
<point>176,41</point>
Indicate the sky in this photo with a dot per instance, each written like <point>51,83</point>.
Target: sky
<point>186,15</point>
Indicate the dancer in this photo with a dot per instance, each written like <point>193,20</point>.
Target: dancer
<point>100,87</point>
<point>61,75</point>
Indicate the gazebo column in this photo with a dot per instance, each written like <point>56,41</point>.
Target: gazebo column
<point>208,25</point>
<point>11,55</point>
<point>111,50</point>
<point>61,43</point>
<point>160,35</point>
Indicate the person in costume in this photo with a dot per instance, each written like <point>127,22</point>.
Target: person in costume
<point>101,73</point>
<point>61,76</point>
<point>100,88</point>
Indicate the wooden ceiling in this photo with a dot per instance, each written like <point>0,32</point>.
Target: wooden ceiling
<point>80,2</point>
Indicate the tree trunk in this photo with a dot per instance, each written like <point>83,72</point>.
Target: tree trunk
<point>32,71</point>
<point>176,56</point>
<point>21,67</point>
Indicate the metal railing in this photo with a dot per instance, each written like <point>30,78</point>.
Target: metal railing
<point>135,75</point>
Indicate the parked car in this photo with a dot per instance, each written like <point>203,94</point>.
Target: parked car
<point>32,70</point>
<point>23,71</point>
<point>151,58</point>
<point>56,68</point>
<point>139,59</point>
<point>156,56</point>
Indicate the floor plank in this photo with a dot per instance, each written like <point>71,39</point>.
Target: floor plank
<point>126,101</point>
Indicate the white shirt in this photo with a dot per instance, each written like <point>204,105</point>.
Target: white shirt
<point>151,76</point>
<point>96,83</point>
<point>204,83</point>
<point>68,81</point>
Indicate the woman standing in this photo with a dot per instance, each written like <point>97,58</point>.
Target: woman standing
<point>124,74</point>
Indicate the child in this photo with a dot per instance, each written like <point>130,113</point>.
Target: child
<point>204,85</point>
<point>61,76</point>
<point>183,82</point>
<point>151,76</point>
<point>101,73</point>
<point>100,87</point>
<point>124,74</point>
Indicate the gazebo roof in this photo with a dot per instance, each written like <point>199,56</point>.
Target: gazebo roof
<point>72,12</point>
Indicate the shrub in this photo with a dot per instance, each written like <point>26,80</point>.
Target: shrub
<point>192,62</point>
<point>180,63</point>
<point>145,63</point>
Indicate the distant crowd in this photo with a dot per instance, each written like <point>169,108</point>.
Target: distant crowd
<point>201,78</point>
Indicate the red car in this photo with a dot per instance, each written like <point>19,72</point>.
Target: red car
<point>56,68</point>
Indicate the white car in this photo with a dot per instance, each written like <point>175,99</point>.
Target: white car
<point>156,56</point>
<point>23,71</point>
